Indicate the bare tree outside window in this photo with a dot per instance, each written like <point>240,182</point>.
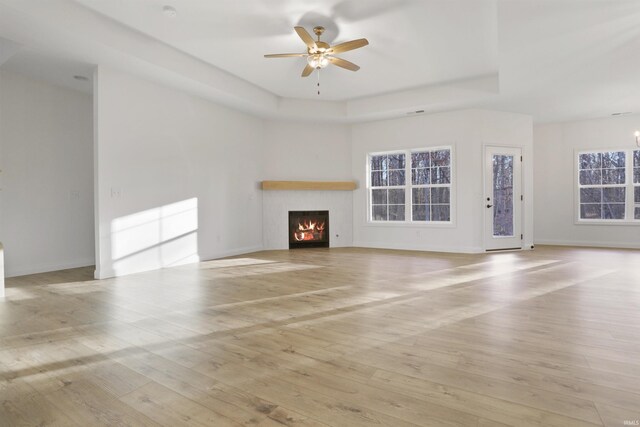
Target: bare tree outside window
<point>502,195</point>
<point>601,178</point>
<point>387,174</point>
<point>415,181</point>
<point>431,182</point>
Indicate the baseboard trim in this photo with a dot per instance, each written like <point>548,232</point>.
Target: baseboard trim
<point>106,273</point>
<point>403,247</point>
<point>592,244</point>
<point>232,252</point>
<point>45,268</point>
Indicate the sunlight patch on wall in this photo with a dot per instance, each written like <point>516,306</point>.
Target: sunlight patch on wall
<point>165,236</point>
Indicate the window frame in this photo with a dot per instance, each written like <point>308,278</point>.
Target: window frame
<point>628,186</point>
<point>408,189</point>
<point>633,186</point>
<point>370,203</point>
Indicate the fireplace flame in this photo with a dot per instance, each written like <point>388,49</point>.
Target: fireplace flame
<point>309,230</point>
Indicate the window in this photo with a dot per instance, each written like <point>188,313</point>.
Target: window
<point>410,186</point>
<point>388,181</point>
<point>636,184</point>
<point>606,184</point>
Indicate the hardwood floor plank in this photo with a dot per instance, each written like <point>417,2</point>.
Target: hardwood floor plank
<point>87,404</point>
<point>167,407</point>
<point>330,337</point>
<point>612,416</point>
<point>329,410</point>
<point>117,378</point>
<point>511,391</point>
<point>487,407</point>
<point>22,405</point>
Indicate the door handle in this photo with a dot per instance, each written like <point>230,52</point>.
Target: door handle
<point>489,206</point>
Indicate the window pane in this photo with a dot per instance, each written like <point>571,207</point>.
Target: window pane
<point>590,177</point>
<point>377,162</point>
<point>440,195</point>
<point>427,168</point>
<point>613,211</point>
<point>396,197</point>
<point>441,175</point>
<point>636,158</point>
<point>590,211</point>
<point>503,171</point>
<point>613,176</point>
<point>420,196</point>
<point>636,193</point>
<point>590,161</point>
<point>420,176</point>
<point>420,160</point>
<point>637,213</point>
<point>379,197</point>
<point>441,158</point>
<point>379,179</point>
<point>396,161</point>
<point>613,159</point>
<point>590,195</point>
<point>379,213</point>
<point>503,208</point>
<point>615,195</point>
<point>396,178</point>
<point>396,212</point>
<point>440,213</point>
<point>636,175</point>
<point>420,213</point>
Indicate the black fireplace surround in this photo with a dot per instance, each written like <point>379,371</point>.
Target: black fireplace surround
<point>308,229</point>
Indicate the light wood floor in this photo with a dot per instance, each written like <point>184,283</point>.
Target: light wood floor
<point>340,337</point>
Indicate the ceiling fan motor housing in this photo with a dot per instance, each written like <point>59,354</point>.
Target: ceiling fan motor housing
<point>318,30</point>
<point>320,54</point>
<point>321,47</point>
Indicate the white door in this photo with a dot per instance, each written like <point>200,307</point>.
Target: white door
<point>502,198</point>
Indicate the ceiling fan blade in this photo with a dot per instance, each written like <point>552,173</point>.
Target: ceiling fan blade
<point>307,70</point>
<point>343,63</point>
<point>306,37</point>
<point>285,55</point>
<point>346,46</point>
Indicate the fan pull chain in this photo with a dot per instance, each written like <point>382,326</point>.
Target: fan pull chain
<point>318,82</point>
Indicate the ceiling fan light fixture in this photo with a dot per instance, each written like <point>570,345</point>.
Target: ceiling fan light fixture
<point>320,54</point>
<point>317,60</point>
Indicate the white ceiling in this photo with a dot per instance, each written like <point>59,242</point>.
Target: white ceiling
<point>553,59</point>
<point>412,42</point>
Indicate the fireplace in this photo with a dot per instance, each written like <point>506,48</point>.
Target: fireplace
<point>308,229</point>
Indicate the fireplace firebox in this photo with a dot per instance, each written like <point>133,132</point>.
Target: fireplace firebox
<point>308,229</point>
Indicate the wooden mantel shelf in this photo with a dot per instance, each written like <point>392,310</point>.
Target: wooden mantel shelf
<point>309,185</point>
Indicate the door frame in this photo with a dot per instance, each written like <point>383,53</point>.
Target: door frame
<point>518,209</point>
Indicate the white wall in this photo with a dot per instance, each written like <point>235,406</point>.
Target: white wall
<point>46,201</point>
<point>177,177</point>
<point>555,147</point>
<point>468,132</point>
<point>307,152</point>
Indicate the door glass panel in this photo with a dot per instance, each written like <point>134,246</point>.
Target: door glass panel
<point>502,195</point>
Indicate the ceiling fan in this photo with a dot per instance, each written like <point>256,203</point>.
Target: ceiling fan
<point>320,54</point>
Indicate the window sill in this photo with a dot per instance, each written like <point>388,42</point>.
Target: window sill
<point>606,222</point>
